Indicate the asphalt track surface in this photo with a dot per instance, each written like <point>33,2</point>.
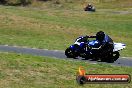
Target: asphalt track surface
<point>58,54</point>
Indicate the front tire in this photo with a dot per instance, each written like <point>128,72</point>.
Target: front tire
<point>70,53</point>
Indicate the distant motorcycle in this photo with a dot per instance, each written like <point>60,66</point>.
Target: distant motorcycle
<point>89,49</point>
<point>89,8</point>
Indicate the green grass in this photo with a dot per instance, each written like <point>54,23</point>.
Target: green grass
<point>58,28</point>
<point>26,71</point>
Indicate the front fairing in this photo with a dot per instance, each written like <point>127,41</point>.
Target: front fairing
<point>74,47</point>
<point>79,41</point>
<point>93,43</point>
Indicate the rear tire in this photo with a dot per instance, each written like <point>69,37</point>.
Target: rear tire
<point>116,55</point>
<point>108,58</point>
<point>93,10</point>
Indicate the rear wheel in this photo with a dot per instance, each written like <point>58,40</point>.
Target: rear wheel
<point>110,60</point>
<point>113,57</point>
<point>116,55</point>
<point>108,57</point>
<point>93,9</point>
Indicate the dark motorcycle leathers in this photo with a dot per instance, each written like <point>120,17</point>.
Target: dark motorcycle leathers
<point>106,45</point>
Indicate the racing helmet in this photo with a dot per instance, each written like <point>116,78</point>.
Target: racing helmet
<point>100,36</point>
<point>89,4</point>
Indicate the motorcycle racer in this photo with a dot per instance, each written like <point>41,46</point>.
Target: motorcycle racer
<point>99,47</point>
<point>89,7</point>
<point>105,41</point>
<point>105,45</point>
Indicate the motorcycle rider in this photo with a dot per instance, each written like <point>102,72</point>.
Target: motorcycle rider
<point>104,40</point>
<point>106,43</point>
<point>88,7</point>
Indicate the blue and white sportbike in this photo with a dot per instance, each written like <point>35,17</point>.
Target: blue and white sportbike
<point>89,49</point>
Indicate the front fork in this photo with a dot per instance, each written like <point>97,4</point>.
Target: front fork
<point>85,52</point>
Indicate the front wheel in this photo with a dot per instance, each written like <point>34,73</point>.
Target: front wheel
<point>70,53</point>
